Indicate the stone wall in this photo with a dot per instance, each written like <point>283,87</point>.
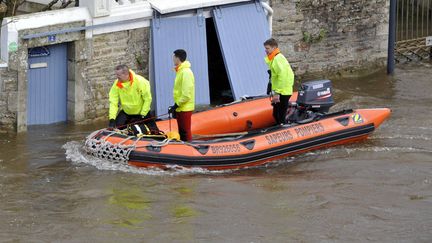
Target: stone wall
<point>130,47</point>
<point>328,37</point>
<point>8,100</point>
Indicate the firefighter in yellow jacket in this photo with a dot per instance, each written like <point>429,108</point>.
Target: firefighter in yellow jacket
<point>281,80</point>
<point>133,93</point>
<point>184,94</point>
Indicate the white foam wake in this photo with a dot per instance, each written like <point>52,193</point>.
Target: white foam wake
<point>76,154</point>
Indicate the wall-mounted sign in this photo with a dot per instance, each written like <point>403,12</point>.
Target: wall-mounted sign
<point>39,65</point>
<point>12,47</point>
<point>429,41</point>
<point>38,52</point>
<point>51,38</point>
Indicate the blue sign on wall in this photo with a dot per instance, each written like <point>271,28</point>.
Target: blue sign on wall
<point>51,38</point>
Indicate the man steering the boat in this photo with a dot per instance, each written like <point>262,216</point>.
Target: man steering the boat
<point>184,94</point>
<point>281,82</point>
<point>133,93</point>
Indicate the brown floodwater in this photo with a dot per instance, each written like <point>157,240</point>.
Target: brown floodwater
<point>377,190</point>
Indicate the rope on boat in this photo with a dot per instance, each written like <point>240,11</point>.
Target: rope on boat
<point>165,142</point>
<point>101,148</point>
<point>118,152</point>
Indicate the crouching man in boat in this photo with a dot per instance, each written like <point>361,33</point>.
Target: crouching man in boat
<point>184,94</point>
<point>281,80</point>
<point>133,93</point>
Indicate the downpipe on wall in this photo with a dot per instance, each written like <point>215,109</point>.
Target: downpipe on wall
<point>269,12</point>
<point>391,38</point>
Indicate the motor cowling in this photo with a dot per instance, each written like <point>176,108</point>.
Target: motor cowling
<point>316,96</point>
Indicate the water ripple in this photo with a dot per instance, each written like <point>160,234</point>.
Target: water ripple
<point>386,149</point>
<point>401,136</point>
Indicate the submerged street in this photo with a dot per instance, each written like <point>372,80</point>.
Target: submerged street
<point>376,190</point>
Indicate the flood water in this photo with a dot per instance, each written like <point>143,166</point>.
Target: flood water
<point>377,190</point>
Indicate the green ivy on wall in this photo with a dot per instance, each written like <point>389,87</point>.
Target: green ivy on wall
<point>311,38</point>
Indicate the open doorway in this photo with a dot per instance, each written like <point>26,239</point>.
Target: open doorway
<point>220,88</point>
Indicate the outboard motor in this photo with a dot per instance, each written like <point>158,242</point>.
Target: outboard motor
<point>314,99</point>
<point>316,96</point>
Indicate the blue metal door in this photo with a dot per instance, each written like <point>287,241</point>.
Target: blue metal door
<point>169,34</point>
<point>242,30</point>
<point>47,85</point>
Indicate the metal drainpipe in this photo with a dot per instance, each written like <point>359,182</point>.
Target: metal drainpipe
<point>392,38</point>
<point>269,11</point>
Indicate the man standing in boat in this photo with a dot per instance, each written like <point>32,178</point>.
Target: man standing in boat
<point>184,94</point>
<point>281,80</point>
<point>133,93</point>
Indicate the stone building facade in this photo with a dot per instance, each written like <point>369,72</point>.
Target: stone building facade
<point>332,37</point>
<point>320,38</point>
<point>130,47</point>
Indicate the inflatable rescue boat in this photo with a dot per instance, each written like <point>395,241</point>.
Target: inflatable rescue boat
<point>243,134</point>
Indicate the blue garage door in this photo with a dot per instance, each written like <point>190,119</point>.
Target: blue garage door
<point>169,34</point>
<point>242,30</point>
<point>47,85</point>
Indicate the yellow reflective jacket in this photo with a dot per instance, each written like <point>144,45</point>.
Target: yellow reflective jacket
<point>282,76</point>
<point>184,87</point>
<point>134,96</point>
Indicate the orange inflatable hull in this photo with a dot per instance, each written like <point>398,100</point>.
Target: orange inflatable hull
<point>258,144</point>
<point>235,117</point>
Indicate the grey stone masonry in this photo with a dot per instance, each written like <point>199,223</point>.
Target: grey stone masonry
<point>8,100</point>
<point>328,37</point>
<point>96,73</point>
